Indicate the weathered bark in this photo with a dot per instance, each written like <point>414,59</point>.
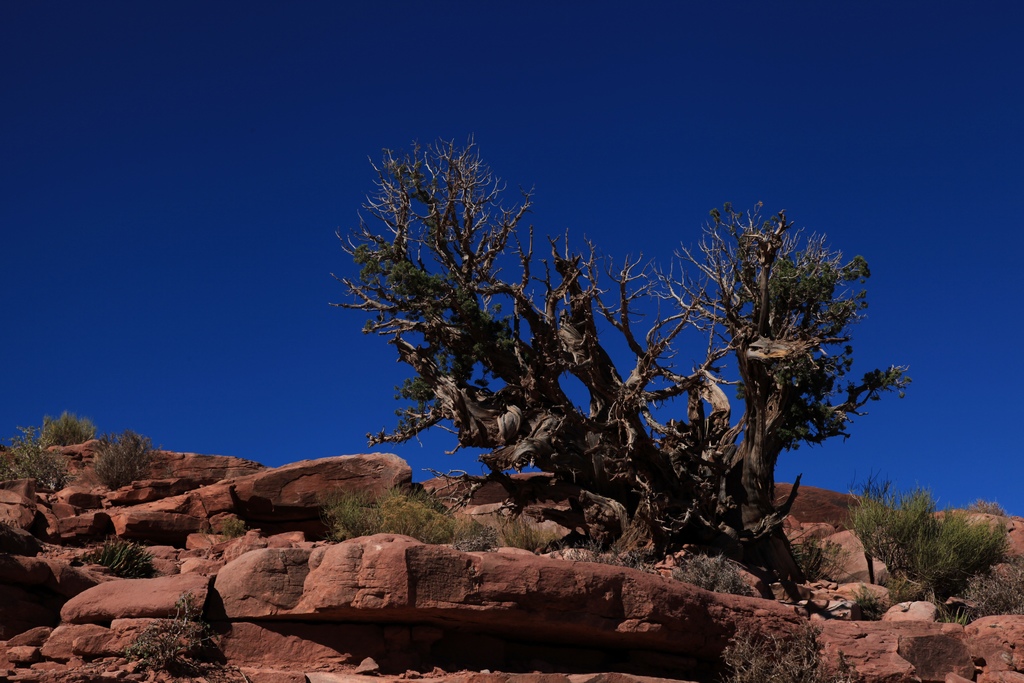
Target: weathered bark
<point>433,285</point>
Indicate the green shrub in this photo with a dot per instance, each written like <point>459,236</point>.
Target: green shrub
<point>29,458</point>
<point>819,559</point>
<point>939,554</point>
<point>126,559</point>
<point>123,458</point>
<point>176,644</point>
<point>715,573</point>
<point>232,527</point>
<point>67,430</point>
<point>1000,591</point>
<point>411,513</point>
<point>771,658</point>
<point>516,532</point>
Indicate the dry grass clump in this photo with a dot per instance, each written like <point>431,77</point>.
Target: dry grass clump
<point>517,532</point>
<point>413,513</point>
<point>472,536</point>
<point>67,430</point>
<point>123,458</point>
<point>712,573</point>
<point>771,658</point>
<point>987,507</point>
<point>1000,591</point>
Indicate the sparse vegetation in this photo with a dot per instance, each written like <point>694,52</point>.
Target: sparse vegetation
<point>929,556</point>
<point>871,606</point>
<point>713,573</point>
<point>123,458</point>
<point>1000,591</point>
<point>67,430</point>
<point>517,532</point>
<point>819,559</point>
<point>126,559</point>
<point>412,513</point>
<point>29,458</point>
<point>174,645</point>
<point>771,658</point>
<point>472,536</point>
<point>232,527</point>
<point>987,507</point>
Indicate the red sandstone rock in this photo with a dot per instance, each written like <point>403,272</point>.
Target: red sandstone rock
<point>388,578</point>
<point>912,611</point>
<point>201,469</point>
<point>16,510</point>
<point>133,598</point>
<point>898,652</point>
<point>854,563</point>
<point>818,505</point>
<point>300,646</point>
<point>293,492</point>
<point>997,642</point>
<point>1001,677</point>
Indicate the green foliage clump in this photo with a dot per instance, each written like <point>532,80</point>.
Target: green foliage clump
<point>929,556</point>
<point>232,527</point>
<point>772,658</point>
<point>30,458</point>
<point>871,606</point>
<point>712,573</point>
<point>1000,591</point>
<point>411,513</point>
<point>174,645</point>
<point>67,430</point>
<point>123,458</point>
<point>126,559</point>
<point>819,560</point>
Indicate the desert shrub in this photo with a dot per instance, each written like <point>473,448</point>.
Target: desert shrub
<point>516,532</point>
<point>712,573</point>
<point>472,536</point>
<point>987,507</point>
<point>126,559</point>
<point>771,658</point>
<point>29,458</point>
<point>67,430</point>
<point>411,513</point>
<point>123,458</point>
<point>175,644</point>
<point>937,554</point>
<point>999,591</point>
<point>232,527</point>
<point>819,559</point>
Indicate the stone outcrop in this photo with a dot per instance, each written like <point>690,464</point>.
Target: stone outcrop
<point>287,607</point>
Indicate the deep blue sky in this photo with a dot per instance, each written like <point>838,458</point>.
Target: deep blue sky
<point>173,175</point>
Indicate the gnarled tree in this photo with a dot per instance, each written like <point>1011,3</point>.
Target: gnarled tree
<point>491,330</point>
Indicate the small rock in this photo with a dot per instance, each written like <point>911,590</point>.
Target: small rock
<point>368,666</point>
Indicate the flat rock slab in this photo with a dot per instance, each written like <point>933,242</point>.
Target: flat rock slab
<point>396,579</point>
<point>134,598</point>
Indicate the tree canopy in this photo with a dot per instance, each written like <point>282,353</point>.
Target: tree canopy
<point>493,320</point>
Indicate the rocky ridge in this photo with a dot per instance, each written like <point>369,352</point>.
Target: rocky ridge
<point>288,607</point>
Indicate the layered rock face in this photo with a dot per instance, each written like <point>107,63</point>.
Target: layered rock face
<point>286,606</point>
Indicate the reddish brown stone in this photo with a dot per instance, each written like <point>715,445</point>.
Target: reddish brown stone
<point>293,492</point>
<point>818,505</point>
<point>878,651</point>
<point>133,598</point>
<point>997,642</point>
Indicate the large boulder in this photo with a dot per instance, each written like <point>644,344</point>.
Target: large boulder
<point>201,470</point>
<point>998,642</point>
<point>396,579</point>
<point>293,492</point>
<point>134,598</point>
